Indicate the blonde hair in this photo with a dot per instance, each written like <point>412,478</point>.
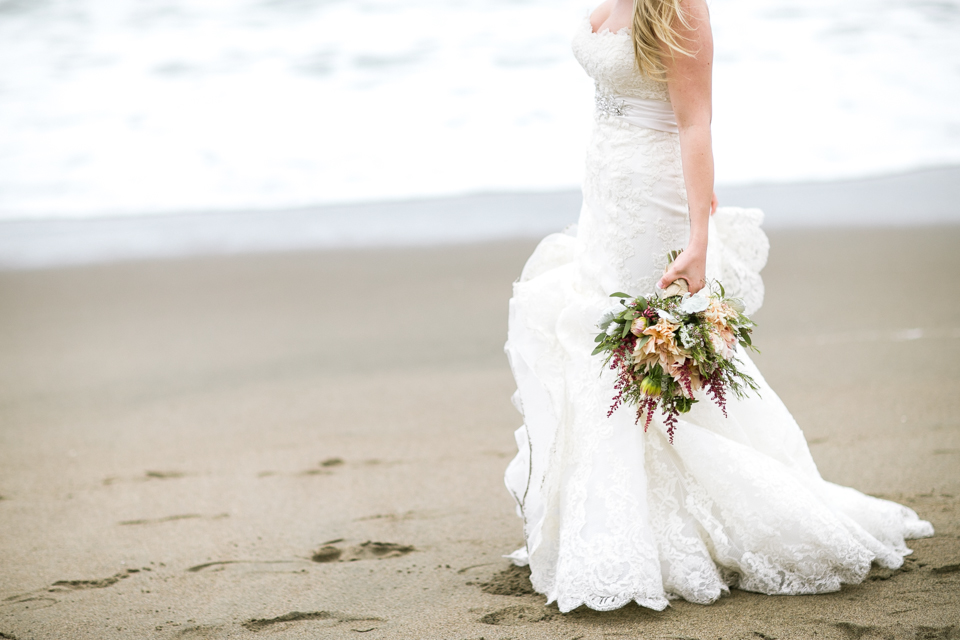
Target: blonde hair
<point>655,33</point>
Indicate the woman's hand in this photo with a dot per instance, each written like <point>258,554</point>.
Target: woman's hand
<point>690,265</point>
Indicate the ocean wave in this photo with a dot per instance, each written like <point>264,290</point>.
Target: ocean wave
<point>115,108</point>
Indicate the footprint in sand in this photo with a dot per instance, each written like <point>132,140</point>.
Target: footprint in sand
<point>164,475</point>
<point>368,550</point>
<point>392,517</point>
<point>184,516</point>
<point>316,472</point>
<point>98,583</point>
<point>323,469</point>
<point>426,514</point>
<point>39,599</point>
<point>200,632</point>
<point>517,615</point>
<point>513,581</point>
<point>259,624</point>
<point>219,565</point>
<point>26,601</point>
<point>148,475</point>
<point>856,631</point>
<point>327,552</point>
<point>947,568</point>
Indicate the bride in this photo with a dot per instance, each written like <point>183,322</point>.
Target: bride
<point>612,514</point>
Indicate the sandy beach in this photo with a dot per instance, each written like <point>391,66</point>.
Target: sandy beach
<point>311,444</point>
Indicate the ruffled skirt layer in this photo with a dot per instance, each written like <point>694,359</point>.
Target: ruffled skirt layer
<point>613,515</point>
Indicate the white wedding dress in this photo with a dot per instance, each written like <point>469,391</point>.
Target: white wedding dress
<point>612,514</point>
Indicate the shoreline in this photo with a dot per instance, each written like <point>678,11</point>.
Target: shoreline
<point>925,197</point>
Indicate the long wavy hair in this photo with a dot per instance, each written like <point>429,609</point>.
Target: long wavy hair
<point>655,34</point>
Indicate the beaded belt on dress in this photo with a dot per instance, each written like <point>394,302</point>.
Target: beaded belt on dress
<point>650,114</point>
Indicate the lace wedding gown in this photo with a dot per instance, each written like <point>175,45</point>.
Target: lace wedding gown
<point>612,514</point>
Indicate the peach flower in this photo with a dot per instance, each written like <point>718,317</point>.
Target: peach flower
<point>723,341</point>
<point>718,313</point>
<point>660,347</point>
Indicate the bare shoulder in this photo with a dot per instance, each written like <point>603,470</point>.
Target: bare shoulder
<point>697,15</point>
<point>600,14</point>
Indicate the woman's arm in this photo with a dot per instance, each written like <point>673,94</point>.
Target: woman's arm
<point>689,84</point>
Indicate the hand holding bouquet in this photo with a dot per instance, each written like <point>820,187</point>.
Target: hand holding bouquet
<point>666,348</point>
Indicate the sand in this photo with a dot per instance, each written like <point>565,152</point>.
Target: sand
<point>311,445</point>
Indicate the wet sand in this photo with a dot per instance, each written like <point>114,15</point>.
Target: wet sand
<point>909,198</point>
<point>311,445</point>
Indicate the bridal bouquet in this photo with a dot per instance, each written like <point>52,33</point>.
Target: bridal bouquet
<point>665,348</point>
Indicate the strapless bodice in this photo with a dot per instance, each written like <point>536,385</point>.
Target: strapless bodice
<point>607,57</point>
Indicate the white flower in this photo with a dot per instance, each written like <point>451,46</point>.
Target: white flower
<point>695,303</point>
<point>613,328</point>
<point>607,318</point>
<point>686,339</point>
<point>669,317</point>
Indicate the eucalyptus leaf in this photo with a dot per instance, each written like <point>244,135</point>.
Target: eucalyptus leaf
<point>619,294</point>
<point>597,350</point>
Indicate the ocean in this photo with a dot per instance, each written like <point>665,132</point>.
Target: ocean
<point>111,108</point>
